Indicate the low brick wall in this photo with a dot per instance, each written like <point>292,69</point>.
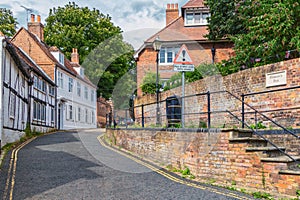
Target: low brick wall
<point>210,157</point>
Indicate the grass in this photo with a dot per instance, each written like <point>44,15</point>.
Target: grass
<point>185,173</point>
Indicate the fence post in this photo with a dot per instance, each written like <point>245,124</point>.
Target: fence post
<point>208,109</point>
<point>143,117</point>
<point>243,111</point>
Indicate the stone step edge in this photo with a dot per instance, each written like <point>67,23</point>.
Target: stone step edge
<point>245,139</point>
<point>280,159</point>
<point>289,172</point>
<point>264,148</point>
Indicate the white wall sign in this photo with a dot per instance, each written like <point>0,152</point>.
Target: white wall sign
<point>276,78</point>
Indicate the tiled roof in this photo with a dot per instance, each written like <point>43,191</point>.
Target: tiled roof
<point>194,4</point>
<point>176,31</point>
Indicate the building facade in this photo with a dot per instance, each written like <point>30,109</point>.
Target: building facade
<point>27,97</point>
<point>189,29</point>
<point>76,95</point>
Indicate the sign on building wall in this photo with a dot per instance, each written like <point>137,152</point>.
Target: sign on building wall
<point>276,78</point>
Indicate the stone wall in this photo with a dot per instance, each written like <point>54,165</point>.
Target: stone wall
<point>243,82</point>
<point>210,157</point>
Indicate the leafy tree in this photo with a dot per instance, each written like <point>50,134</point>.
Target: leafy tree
<point>108,63</point>
<point>224,21</point>
<point>103,53</point>
<point>272,30</point>
<point>78,27</point>
<point>149,83</point>
<point>8,23</point>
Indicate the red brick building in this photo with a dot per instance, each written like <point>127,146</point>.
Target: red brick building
<point>190,29</point>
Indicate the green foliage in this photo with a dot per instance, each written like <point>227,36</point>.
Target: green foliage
<point>261,195</point>
<point>224,22</point>
<point>202,124</point>
<point>203,70</point>
<point>72,26</point>
<point>149,83</point>
<point>298,193</point>
<point>103,53</point>
<point>259,125</point>
<point>173,82</point>
<point>8,23</point>
<point>272,29</point>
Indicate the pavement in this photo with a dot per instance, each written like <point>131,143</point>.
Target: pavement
<point>79,165</point>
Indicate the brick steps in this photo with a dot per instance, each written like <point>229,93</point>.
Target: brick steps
<point>268,154</point>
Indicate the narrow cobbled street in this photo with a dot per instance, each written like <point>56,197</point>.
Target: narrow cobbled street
<point>75,165</point>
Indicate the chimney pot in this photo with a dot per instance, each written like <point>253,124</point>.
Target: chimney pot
<point>39,18</point>
<point>75,56</point>
<point>168,6</point>
<point>172,12</point>
<point>32,17</point>
<point>176,6</point>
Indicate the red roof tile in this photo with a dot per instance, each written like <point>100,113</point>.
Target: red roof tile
<point>194,4</point>
<point>176,31</point>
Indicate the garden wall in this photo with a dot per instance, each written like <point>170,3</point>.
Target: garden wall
<point>210,157</point>
<point>281,106</point>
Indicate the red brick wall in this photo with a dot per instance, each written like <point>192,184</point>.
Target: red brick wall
<point>246,81</point>
<point>199,53</point>
<point>24,41</point>
<point>210,157</point>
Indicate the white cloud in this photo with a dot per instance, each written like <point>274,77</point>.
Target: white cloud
<point>135,17</point>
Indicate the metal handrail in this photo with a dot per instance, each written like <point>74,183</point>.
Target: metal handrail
<point>255,132</point>
<point>258,112</point>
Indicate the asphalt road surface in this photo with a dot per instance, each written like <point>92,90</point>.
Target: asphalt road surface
<point>75,165</point>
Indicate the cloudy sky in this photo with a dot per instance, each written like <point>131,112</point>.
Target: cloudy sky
<point>138,19</point>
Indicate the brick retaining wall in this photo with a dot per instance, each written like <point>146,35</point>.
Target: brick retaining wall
<point>210,157</point>
<point>243,82</point>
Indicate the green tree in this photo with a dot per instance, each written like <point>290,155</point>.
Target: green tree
<point>272,30</point>
<point>78,27</point>
<point>224,20</point>
<point>149,83</point>
<point>103,53</point>
<point>8,23</point>
<point>108,63</point>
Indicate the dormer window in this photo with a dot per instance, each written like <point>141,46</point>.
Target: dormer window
<point>81,72</point>
<point>196,17</point>
<point>61,58</point>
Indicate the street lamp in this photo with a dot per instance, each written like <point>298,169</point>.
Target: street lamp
<point>157,46</point>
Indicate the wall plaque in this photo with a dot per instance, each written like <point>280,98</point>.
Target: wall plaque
<point>276,78</point>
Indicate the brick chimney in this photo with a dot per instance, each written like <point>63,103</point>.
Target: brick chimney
<point>75,56</point>
<point>172,12</point>
<point>36,27</point>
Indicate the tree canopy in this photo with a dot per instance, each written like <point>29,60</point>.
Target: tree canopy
<point>78,27</point>
<point>263,31</point>
<point>224,21</point>
<point>8,23</point>
<point>103,53</point>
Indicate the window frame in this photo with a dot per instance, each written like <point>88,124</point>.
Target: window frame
<point>202,21</point>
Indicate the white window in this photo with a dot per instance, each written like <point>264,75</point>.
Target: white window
<point>196,17</point>
<point>92,95</point>
<point>60,80</point>
<point>79,114</point>
<point>70,84</point>
<point>34,110</point>
<point>43,112</point>
<point>61,58</point>
<point>81,71</point>
<point>86,92</point>
<point>52,114</point>
<point>78,89</point>
<point>93,117</point>
<point>51,90</point>
<point>70,112</point>
<point>35,81</point>
<point>42,85</point>
<point>167,54</point>
<point>86,116</point>
<point>12,105</point>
